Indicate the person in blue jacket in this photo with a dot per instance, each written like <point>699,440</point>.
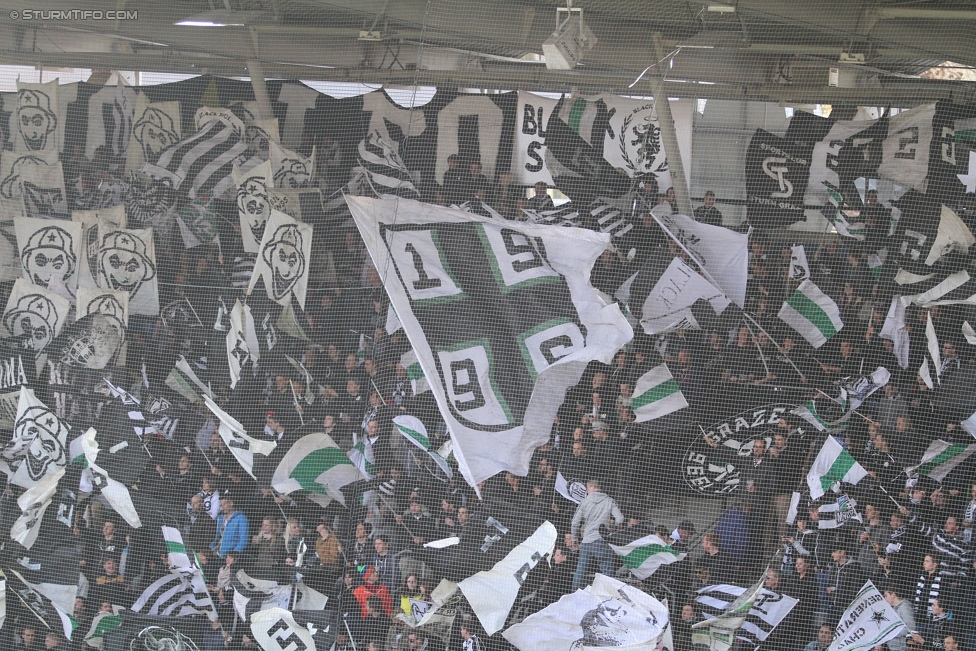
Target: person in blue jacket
<point>232,534</point>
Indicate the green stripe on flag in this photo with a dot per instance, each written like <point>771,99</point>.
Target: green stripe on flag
<point>314,464</point>
<point>576,114</point>
<point>414,372</point>
<point>659,392</point>
<point>105,625</point>
<point>174,547</point>
<point>812,313</point>
<point>947,454</point>
<point>417,436</point>
<point>966,135</point>
<point>838,470</point>
<point>637,557</point>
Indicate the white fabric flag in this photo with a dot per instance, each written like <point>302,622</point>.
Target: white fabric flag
<point>33,503</point>
<point>492,594</point>
<point>40,441</point>
<point>868,622</point>
<point>799,267</point>
<point>242,446</point>
<point>290,170</point>
<point>608,613</point>
<point>765,613</point>
<point>115,492</point>
<point>896,330</point>
<point>155,127</point>
<point>36,312</point>
<point>38,121</point>
<point>812,313</point>
<point>37,179</point>
<point>274,629</point>
<point>114,306</point>
<point>124,260</point>
<point>905,152</point>
<point>656,394</point>
<point>718,632</point>
<point>932,344</point>
<point>496,417</point>
<point>284,259</point>
<point>176,595</point>
<point>721,252</point>
<point>969,333</point>
<point>176,550</point>
<point>953,235</point>
<point>242,341</point>
<point>50,253</point>
<point>253,204</point>
<point>668,304</point>
<point>833,465</point>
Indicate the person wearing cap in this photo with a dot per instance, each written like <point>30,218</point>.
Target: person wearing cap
<point>594,512</point>
<point>846,578</point>
<point>232,528</point>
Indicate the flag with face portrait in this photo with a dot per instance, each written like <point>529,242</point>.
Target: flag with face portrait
<point>38,179</point>
<point>242,341</point>
<point>501,316</point>
<point>114,306</point>
<point>156,126</point>
<point>50,253</point>
<point>39,446</point>
<point>36,313</point>
<point>123,260</point>
<point>253,207</point>
<point>38,120</point>
<point>284,259</point>
<point>290,170</point>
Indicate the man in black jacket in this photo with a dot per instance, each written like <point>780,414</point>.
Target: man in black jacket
<point>846,578</point>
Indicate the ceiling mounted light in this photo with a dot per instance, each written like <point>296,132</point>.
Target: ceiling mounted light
<point>222,18</point>
<point>564,49</point>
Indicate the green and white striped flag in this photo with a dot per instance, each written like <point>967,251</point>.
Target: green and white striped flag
<point>315,464</point>
<point>656,394</point>
<point>644,555</point>
<point>812,313</point>
<point>361,456</point>
<point>840,219</point>
<point>941,458</point>
<point>178,558</point>
<point>834,464</point>
<point>808,412</point>
<point>102,624</point>
<point>416,432</point>
<point>418,382</point>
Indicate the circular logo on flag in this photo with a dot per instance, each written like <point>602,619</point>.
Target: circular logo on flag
<point>576,489</point>
<point>711,465</point>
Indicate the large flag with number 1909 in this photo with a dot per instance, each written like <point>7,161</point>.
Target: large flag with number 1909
<point>501,316</point>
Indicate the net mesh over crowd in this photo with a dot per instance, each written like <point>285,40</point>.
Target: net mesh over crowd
<point>541,365</point>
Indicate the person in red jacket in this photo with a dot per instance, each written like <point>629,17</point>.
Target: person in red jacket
<point>373,588</point>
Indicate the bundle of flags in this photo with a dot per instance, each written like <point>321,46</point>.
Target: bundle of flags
<point>732,612</point>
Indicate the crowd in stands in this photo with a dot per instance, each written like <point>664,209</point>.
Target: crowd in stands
<point>914,542</point>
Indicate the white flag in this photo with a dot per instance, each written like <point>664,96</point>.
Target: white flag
<point>284,259</point>
<point>718,632</point>
<point>39,443</point>
<point>608,613</point>
<point>115,492</point>
<point>896,330</point>
<point>656,394</point>
<point>33,503</point>
<point>812,313</point>
<point>799,268</point>
<point>867,623</point>
<point>242,341</point>
<point>833,464</point>
<point>953,235</point>
<point>274,629</point>
<point>932,344</point>
<point>35,312</point>
<point>668,304</point>
<point>178,558</point>
<point>492,594</point>
<point>242,446</point>
<point>764,614</point>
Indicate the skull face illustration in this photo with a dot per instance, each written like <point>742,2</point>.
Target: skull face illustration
<point>148,200</point>
<point>122,262</point>
<point>35,316</point>
<point>292,174</point>
<point>611,624</point>
<point>154,132</point>
<point>283,254</point>
<point>252,203</point>
<point>35,119</point>
<point>109,306</point>
<point>39,436</point>
<point>49,254</point>
<point>95,345</point>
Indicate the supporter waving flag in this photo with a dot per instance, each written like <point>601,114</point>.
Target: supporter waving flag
<point>833,465</point>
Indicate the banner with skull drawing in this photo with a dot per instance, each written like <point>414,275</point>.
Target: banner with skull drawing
<point>253,207</point>
<point>34,313</point>
<point>155,127</point>
<point>123,260</point>
<point>50,253</point>
<point>39,446</point>
<point>283,261</point>
<point>38,123</point>
<point>38,179</point>
<point>242,341</point>
<point>290,170</point>
<point>114,306</point>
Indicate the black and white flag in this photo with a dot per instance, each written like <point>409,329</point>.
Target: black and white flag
<point>284,259</point>
<point>234,436</point>
<point>290,170</point>
<point>799,267</point>
<point>51,603</point>
<point>114,491</point>
<point>253,205</point>
<point>38,179</point>
<point>275,629</point>
<point>50,253</point>
<point>38,120</point>
<point>156,126</point>
<point>767,611</point>
<point>242,341</point>
<point>202,165</point>
<point>124,260</point>
<point>777,171</point>
<point>33,503</point>
<point>497,379</point>
<point>113,218</point>
<point>176,595</point>
<point>381,170</point>
<point>39,446</point>
<point>35,312</point>
<point>114,306</point>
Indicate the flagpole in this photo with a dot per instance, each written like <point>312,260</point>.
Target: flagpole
<point>759,348</point>
<point>775,343</point>
<point>683,248</point>
<point>295,397</point>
